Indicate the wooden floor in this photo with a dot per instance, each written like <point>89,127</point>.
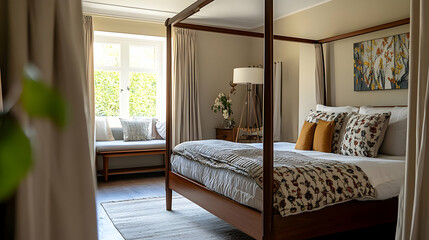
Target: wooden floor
<point>135,186</point>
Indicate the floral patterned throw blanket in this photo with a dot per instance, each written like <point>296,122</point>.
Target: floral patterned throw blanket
<point>301,183</point>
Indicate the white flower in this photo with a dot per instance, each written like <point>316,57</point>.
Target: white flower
<point>225,114</point>
<point>221,95</point>
<point>229,100</point>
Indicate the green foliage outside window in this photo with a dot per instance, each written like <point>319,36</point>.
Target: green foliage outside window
<point>142,94</point>
<point>106,93</point>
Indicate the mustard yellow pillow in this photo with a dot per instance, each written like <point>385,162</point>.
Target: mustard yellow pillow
<point>305,139</point>
<point>323,133</point>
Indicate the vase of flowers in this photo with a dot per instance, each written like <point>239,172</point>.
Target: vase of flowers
<point>223,104</point>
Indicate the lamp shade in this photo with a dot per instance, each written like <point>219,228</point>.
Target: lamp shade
<point>248,75</point>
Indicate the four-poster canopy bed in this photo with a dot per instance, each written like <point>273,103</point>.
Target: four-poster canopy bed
<point>265,224</point>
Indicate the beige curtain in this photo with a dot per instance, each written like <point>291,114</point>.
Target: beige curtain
<point>186,113</point>
<point>413,219</point>
<point>320,75</point>
<point>88,44</point>
<point>57,198</point>
<point>258,100</point>
<point>277,100</point>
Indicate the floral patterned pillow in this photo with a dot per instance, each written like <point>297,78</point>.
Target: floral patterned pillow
<point>364,134</point>
<point>338,118</point>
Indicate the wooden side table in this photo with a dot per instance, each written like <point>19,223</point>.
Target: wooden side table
<point>227,134</point>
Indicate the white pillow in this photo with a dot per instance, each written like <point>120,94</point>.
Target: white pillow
<point>396,133</point>
<point>102,130</point>
<point>347,109</point>
<point>161,129</point>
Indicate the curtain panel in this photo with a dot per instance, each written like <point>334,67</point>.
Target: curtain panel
<point>413,214</point>
<point>57,198</point>
<point>88,44</point>
<point>320,75</point>
<point>277,100</point>
<point>186,109</point>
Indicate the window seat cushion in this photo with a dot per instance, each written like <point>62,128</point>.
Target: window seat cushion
<point>121,145</point>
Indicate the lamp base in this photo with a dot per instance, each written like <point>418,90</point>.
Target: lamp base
<point>251,134</point>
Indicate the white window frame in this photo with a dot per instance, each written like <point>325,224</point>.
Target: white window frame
<point>124,69</point>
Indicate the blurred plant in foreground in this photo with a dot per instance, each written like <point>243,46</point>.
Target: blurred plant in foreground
<point>37,100</point>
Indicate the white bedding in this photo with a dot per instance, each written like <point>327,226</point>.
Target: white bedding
<point>386,174</point>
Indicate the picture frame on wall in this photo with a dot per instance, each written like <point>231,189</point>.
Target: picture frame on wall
<point>382,63</point>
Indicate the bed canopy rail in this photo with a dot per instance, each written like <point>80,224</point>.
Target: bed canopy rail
<point>242,33</point>
<point>294,39</point>
<point>187,12</point>
<point>366,30</point>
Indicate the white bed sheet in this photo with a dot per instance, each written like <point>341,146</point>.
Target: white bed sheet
<point>386,174</point>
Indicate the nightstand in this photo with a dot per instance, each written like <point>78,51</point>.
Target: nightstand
<point>228,134</point>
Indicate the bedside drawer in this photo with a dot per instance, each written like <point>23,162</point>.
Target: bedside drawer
<point>225,134</point>
<point>227,137</point>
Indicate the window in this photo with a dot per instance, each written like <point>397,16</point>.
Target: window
<point>129,75</point>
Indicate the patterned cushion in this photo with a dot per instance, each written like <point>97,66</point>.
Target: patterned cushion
<point>136,129</point>
<point>338,118</point>
<point>364,134</point>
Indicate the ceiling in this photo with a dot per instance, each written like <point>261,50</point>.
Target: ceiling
<point>243,14</point>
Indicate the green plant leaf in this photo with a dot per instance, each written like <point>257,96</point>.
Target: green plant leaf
<point>15,155</point>
<point>39,100</point>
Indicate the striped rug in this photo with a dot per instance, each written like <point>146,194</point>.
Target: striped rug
<point>148,219</point>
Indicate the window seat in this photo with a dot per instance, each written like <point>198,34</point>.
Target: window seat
<point>121,145</point>
<point>120,148</point>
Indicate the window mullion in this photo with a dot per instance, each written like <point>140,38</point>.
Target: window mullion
<point>124,80</point>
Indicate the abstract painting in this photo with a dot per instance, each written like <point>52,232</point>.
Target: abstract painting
<point>382,63</point>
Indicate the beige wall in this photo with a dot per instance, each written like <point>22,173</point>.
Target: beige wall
<point>341,75</point>
<point>109,24</point>
<point>217,56</point>
<point>326,20</point>
<point>288,54</point>
<point>307,88</point>
<point>341,16</point>
<point>339,64</point>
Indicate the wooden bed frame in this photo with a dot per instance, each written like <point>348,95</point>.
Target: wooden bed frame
<point>265,224</point>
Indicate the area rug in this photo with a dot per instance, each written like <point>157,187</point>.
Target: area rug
<point>148,219</point>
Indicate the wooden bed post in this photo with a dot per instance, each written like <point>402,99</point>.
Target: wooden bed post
<point>168,192</point>
<point>267,210</point>
<point>169,23</point>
